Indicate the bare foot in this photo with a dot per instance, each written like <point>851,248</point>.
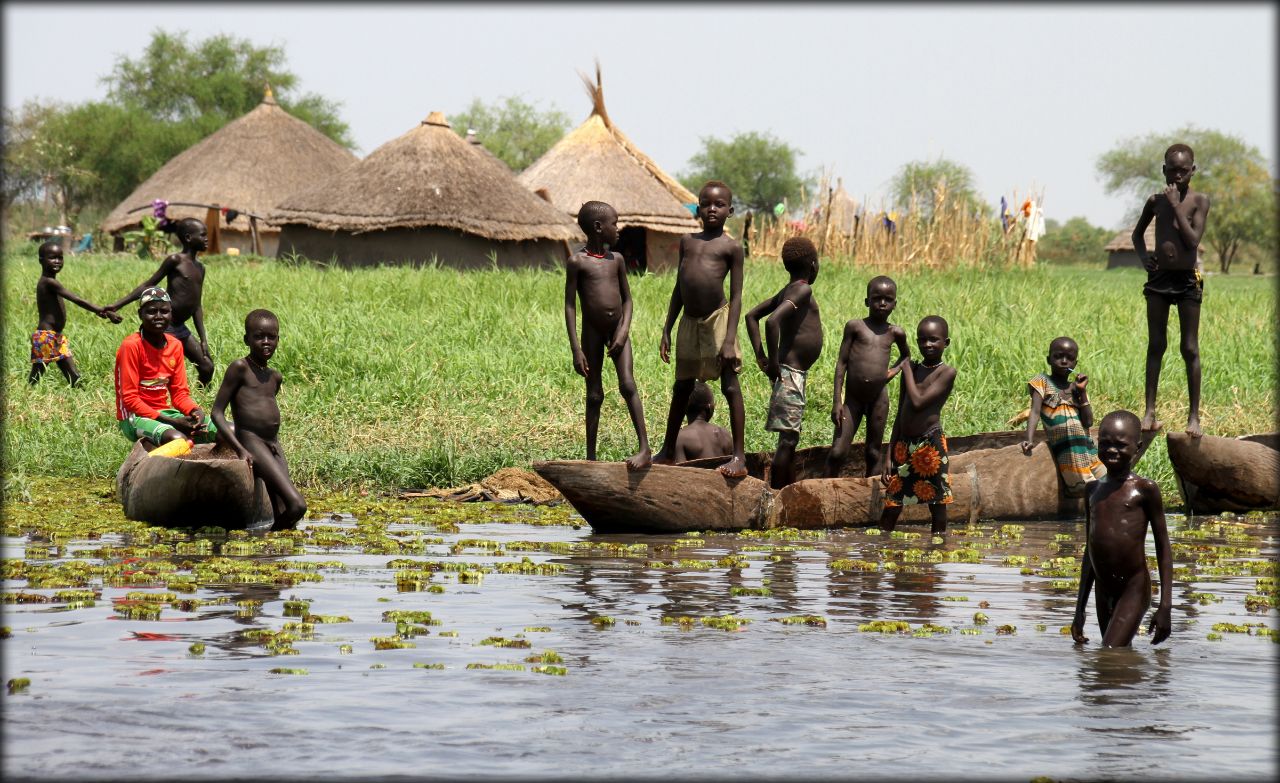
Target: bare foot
<point>1149,422</point>
<point>1193,427</point>
<point>734,468</point>
<point>665,458</point>
<point>640,461</point>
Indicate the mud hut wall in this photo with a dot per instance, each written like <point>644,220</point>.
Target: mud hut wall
<point>418,246</point>
<point>1123,259</point>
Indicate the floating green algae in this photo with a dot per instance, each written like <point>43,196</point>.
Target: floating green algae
<point>980,618</point>
<point>885,626</point>
<point>286,670</point>
<point>500,641</point>
<point>803,619</point>
<point>18,684</point>
<point>546,656</point>
<point>604,621</point>
<point>196,648</point>
<point>745,591</point>
<point>504,667</point>
<point>390,643</point>
<point>421,665</point>
<point>559,671</point>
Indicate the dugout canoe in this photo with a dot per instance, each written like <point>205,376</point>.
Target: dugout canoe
<point>1226,474</point>
<point>988,481</point>
<point>207,486</point>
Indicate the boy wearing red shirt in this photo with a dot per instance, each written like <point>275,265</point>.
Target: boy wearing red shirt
<point>150,374</point>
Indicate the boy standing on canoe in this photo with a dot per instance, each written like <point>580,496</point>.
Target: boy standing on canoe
<point>150,376</point>
<point>1118,510</point>
<point>700,438</point>
<point>250,387</point>
<point>1063,407</point>
<point>917,469</point>
<point>707,341</point>
<point>794,335</point>
<point>863,369</point>
<point>597,277</point>
<point>48,344</point>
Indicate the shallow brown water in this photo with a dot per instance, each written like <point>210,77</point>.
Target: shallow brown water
<point>117,697</point>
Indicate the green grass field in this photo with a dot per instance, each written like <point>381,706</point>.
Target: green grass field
<point>405,378</point>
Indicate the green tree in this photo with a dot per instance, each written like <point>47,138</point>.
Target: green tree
<point>40,158</point>
<point>919,185</point>
<point>1233,173</point>
<point>517,132</point>
<point>760,169</point>
<point>1076,241</point>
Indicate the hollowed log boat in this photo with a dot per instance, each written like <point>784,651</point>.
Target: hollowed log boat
<point>990,479</point>
<point>206,486</point>
<point>1226,474</point>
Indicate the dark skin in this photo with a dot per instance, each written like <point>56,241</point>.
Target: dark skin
<point>597,278</point>
<point>250,387</point>
<point>862,369</point>
<point>706,258</point>
<point>1118,511</point>
<point>53,312</point>
<point>700,438</point>
<point>926,385</point>
<point>1063,353</point>
<point>793,331</point>
<point>184,280</point>
<point>156,318</point>
<point>1180,216</point>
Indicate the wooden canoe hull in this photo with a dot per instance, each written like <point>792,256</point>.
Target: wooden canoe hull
<point>1226,474</point>
<point>195,490</point>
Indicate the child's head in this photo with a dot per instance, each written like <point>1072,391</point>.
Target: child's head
<point>50,255</point>
<point>1179,164</point>
<point>715,204</point>
<point>882,296</point>
<point>155,310</point>
<point>1063,353</point>
<point>598,219</point>
<point>800,258</point>
<point>1118,437</point>
<point>261,334</point>
<point>932,337</point>
<point>701,400</point>
<point>190,231</point>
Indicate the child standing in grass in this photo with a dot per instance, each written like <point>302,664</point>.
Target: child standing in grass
<point>250,387</point>
<point>184,277</point>
<point>48,343</point>
<point>1119,509</point>
<point>700,438</point>
<point>863,369</point>
<point>794,335</point>
<point>150,376</point>
<point>707,342</point>
<point>1173,277</point>
<point>598,278</point>
<point>917,469</point>
<point>1064,410</point>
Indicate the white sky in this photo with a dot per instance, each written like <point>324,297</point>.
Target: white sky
<point>1026,97</point>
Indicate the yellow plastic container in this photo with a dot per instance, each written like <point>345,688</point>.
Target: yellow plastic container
<point>174,448</point>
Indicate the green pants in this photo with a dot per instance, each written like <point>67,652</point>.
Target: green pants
<point>138,427</point>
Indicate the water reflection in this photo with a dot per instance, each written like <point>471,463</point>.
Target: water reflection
<point>1110,676</point>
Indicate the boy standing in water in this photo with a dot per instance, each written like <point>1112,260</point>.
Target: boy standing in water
<point>250,387</point>
<point>1064,409</point>
<point>700,438</point>
<point>1173,277</point>
<point>598,277</point>
<point>1119,509</point>
<point>863,369</point>
<point>707,342</point>
<point>917,470</point>
<point>48,344</point>
<point>184,276</point>
<point>794,335</point>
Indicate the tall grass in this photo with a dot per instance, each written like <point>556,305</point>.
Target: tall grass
<point>399,377</point>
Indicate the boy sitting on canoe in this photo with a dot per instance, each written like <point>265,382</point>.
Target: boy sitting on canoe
<point>48,344</point>
<point>1064,409</point>
<point>707,340</point>
<point>152,398</point>
<point>700,438</point>
<point>917,468</point>
<point>1118,510</point>
<point>597,277</point>
<point>793,332</point>
<point>250,387</point>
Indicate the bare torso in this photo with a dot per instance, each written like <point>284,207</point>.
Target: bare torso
<point>916,422</point>
<point>1118,533</point>
<point>800,342</point>
<point>870,344</point>
<point>253,406</point>
<point>1172,251</point>
<point>703,439</point>
<point>704,264</point>
<point>52,310</point>
<point>185,285</point>
<point>598,292</point>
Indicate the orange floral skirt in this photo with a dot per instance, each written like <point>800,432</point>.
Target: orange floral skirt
<point>919,471</point>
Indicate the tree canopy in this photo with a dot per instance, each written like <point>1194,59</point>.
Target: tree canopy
<point>515,131</point>
<point>1074,241</point>
<point>759,168</point>
<point>1233,173</point>
<point>920,184</point>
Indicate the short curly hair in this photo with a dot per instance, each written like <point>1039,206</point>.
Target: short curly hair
<point>1174,148</point>
<point>715,183</point>
<point>797,251</point>
<point>592,211</point>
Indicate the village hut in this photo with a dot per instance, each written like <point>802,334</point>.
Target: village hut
<point>843,217</point>
<point>426,196</point>
<point>597,162</point>
<point>478,146</point>
<point>248,166</point>
<point>1120,252</point>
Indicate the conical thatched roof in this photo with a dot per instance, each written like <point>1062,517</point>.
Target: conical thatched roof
<point>249,164</point>
<point>428,177</point>
<point>598,162</point>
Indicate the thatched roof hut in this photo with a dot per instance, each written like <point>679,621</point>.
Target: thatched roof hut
<point>249,164</point>
<point>597,162</point>
<point>1120,252</point>
<point>427,195</point>
<point>844,210</point>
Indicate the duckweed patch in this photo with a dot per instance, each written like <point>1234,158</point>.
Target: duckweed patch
<point>803,619</point>
<point>886,626</point>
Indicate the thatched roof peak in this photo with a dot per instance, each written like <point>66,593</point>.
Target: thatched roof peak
<point>436,118</point>
<point>269,97</point>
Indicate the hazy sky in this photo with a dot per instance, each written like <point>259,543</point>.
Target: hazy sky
<point>1027,97</point>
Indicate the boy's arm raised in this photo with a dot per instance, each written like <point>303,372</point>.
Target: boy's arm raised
<point>571,317</point>
<point>1160,625</point>
<point>61,290</point>
<point>155,279</point>
<point>231,381</point>
<point>938,387</point>
<point>1188,221</point>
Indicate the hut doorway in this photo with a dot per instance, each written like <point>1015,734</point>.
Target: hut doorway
<point>631,244</point>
